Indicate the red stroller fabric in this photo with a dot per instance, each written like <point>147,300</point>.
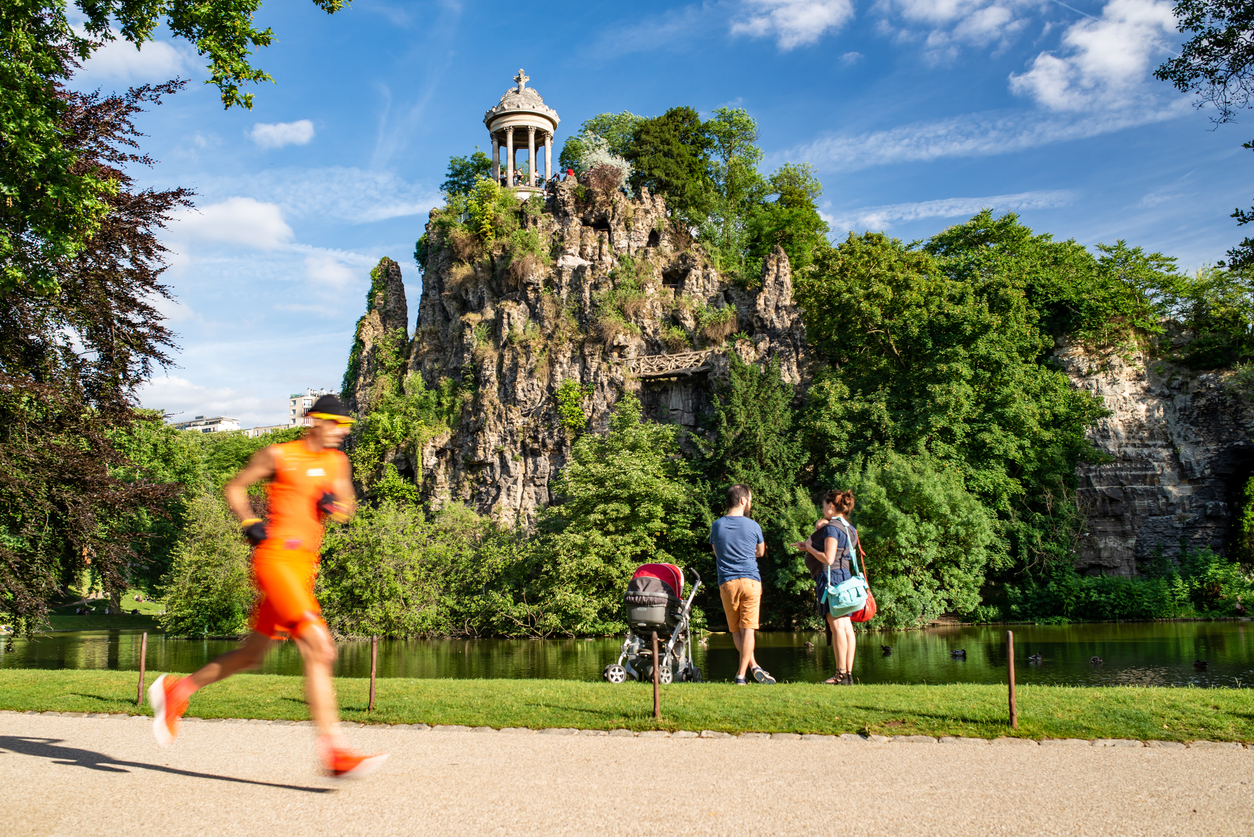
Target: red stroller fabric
<point>668,574</point>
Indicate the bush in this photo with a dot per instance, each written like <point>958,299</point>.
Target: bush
<point>927,538</point>
<point>209,588</point>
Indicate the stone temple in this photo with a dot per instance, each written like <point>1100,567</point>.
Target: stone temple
<point>521,111</point>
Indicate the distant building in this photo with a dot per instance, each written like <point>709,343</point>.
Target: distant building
<point>254,432</point>
<point>216,424</point>
<point>299,404</point>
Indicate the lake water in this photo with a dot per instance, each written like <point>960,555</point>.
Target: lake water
<point>1145,653</point>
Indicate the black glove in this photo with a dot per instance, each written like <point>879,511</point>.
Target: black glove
<point>328,506</point>
<point>254,529</point>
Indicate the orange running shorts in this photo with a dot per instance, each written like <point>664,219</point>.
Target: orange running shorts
<point>286,582</point>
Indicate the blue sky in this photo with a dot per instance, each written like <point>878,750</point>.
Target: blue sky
<point>915,113</point>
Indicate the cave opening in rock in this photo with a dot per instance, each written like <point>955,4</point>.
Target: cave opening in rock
<point>655,238</point>
<point>601,224</point>
<point>1239,540</point>
<point>672,277</point>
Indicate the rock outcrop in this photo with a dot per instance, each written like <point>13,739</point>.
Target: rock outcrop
<point>1181,447</point>
<point>615,282</point>
<point>382,337</point>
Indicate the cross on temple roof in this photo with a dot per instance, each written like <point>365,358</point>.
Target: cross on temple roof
<point>522,79</point>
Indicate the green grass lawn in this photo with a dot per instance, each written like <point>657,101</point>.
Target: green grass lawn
<point>63,618</point>
<point>960,709</point>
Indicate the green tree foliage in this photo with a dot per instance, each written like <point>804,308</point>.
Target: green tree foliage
<point>393,572</point>
<point>1243,548</point>
<point>617,129</point>
<point>751,440</point>
<point>464,172</point>
<point>625,498</point>
<point>738,187</point>
<point>209,588</point>
<point>1103,301</point>
<point>1217,65</point>
<point>791,220</point>
<point>52,197</point>
<point>1203,584</point>
<point>1217,306</point>
<point>929,541</point>
<point>399,424</point>
<point>922,362</point>
<point>670,156</point>
<point>69,363</point>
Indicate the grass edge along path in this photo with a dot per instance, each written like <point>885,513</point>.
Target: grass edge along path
<point>971,710</point>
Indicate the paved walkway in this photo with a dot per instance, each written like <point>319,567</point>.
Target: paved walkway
<point>80,776</point>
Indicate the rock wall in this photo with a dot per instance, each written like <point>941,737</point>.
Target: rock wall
<point>511,330</point>
<point>380,341</point>
<point>1181,447</point>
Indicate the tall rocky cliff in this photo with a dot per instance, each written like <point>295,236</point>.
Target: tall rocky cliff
<point>1180,447</point>
<point>619,300</point>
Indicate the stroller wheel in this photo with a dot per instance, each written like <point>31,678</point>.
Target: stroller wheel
<point>664,674</point>
<point>614,673</point>
<point>692,674</point>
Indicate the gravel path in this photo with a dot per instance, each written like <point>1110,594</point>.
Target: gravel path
<point>67,775</point>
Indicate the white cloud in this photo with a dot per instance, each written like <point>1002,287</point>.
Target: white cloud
<point>1104,62</point>
<point>970,135</point>
<point>883,217</point>
<point>326,270</point>
<point>182,399</point>
<point>942,27</point>
<point>279,134</point>
<point>242,221</point>
<point>851,58</point>
<point>121,61</point>
<point>792,23</point>
<point>341,193</point>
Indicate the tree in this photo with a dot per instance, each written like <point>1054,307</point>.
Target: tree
<point>625,498</point>
<point>670,155</point>
<point>929,539</point>
<point>792,220</point>
<point>69,364</point>
<point>464,171</point>
<point>1217,65</point>
<point>208,590</point>
<point>751,440</point>
<point>51,200</point>
<point>738,187</point>
<point>617,129</point>
<point>953,366</point>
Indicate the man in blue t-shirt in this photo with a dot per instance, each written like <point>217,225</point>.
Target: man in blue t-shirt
<point>738,544</point>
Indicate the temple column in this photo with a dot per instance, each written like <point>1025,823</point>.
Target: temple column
<point>531,155</point>
<point>548,156</point>
<point>509,156</point>
<point>496,158</point>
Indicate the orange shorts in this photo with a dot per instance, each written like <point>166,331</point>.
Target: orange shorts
<point>741,599</point>
<point>285,579</point>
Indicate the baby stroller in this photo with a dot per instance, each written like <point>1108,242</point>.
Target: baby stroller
<point>654,602</point>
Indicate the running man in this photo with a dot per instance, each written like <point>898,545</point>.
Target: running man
<point>309,482</point>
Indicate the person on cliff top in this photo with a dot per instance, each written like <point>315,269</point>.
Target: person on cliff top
<point>310,481</point>
<point>738,544</point>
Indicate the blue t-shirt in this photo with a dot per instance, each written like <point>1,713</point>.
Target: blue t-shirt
<point>735,541</point>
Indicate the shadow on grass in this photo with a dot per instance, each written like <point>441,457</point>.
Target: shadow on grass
<point>100,698</point>
<point>48,748</point>
<point>936,716</point>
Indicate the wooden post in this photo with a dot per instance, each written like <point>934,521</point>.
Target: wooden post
<point>1010,670</point>
<point>657,664</point>
<point>374,666</point>
<point>143,655</point>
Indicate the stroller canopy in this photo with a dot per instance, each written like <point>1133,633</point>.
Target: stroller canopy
<point>668,574</point>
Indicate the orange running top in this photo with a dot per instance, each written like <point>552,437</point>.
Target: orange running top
<point>300,478</point>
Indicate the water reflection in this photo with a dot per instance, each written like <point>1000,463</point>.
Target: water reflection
<point>1146,654</point>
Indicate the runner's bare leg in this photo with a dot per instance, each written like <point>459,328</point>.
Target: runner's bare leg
<point>318,650</point>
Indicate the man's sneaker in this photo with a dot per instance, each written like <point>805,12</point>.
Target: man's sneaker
<point>166,712</point>
<point>740,681</point>
<point>343,763</point>
<point>762,675</point>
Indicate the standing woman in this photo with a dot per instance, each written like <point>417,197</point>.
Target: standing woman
<point>831,545</point>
